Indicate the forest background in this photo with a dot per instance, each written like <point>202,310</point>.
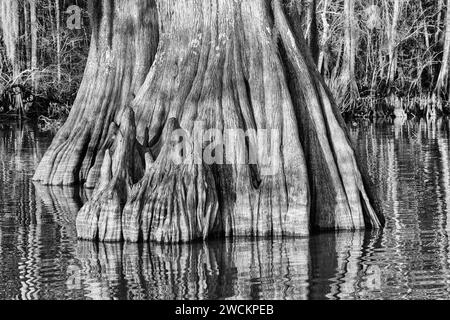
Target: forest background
<point>379,57</point>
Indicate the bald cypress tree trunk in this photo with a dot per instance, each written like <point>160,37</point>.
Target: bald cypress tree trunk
<point>219,66</point>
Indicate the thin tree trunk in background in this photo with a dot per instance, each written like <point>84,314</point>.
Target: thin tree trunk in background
<point>393,41</point>
<point>347,88</point>
<point>58,40</point>
<point>27,24</point>
<point>10,27</point>
<point>50,17</point>
<point>2,64</point>
<point>34,34</point>
<point>442,83</point>
<point>438,33</point>
<point>323,62</point>
<point>350,41</point>
<point>426,36</point>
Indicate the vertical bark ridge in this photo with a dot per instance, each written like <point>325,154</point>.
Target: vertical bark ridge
<point>352,207</point>
<point>101,217</point>
<point>174,202</point>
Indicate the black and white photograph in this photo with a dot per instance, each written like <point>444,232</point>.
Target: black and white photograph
<point>243,151</point>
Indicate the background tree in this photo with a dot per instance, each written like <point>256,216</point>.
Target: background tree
<point>371,52</point>
<point>41,56</point>
<point>442,82</point>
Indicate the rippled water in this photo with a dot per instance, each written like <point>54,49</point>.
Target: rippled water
<point>40,257</point>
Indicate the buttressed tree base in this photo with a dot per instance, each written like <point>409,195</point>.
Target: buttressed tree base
<point>156,66</point>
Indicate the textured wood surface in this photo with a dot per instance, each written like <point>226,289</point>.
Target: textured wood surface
<point>101,217</point>
<point>227,65</point>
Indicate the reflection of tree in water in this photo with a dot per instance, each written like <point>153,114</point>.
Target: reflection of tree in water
<point>410,162</point>
<point>40,257</point>
<point>34,241</point>
<point>341,265</point>
<point>41,247</point>
<point>132,271</point>
<point>223,269</point>
<point>60,205</point>
<point>325,266</point>
<point>20,150</point>
<point>284,269</point>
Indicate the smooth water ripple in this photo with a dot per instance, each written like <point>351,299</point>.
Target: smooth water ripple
<point>40,257</point>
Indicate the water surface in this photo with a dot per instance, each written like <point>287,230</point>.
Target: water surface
<point>40,257</point>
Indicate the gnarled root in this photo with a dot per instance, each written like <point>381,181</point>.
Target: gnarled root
<point>101,218</point>
<point>174,202</point>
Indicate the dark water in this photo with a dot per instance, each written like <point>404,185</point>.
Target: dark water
<point>40,257</point>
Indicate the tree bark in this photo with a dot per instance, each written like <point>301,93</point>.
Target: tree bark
<point>34,31</point>
<point>303,13</point>
<point>393,40</point>
<point>10,28</point>
<point>58,40</point>
<point>26,33</point>
<point>322,63</point>
<point>220,65</point>
<point>348,88</point>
